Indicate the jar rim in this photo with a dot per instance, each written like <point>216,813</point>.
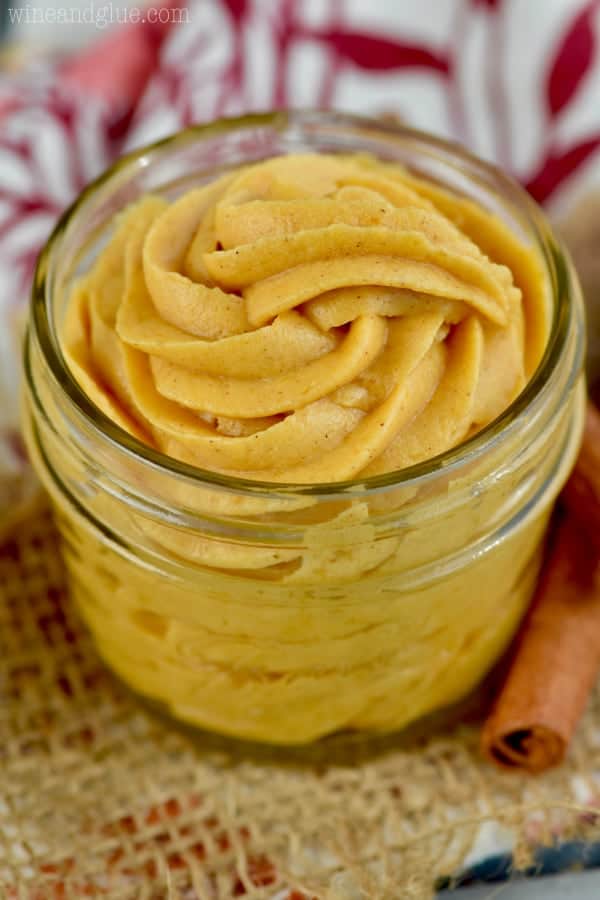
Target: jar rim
<point>512,418</point>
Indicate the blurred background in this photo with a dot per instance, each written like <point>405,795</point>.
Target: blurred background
<point>517,81</point>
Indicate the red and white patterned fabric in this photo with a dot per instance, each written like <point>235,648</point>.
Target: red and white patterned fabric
<point>517,81</point>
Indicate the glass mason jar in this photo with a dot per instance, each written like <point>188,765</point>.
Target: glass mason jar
<point>281,613</point>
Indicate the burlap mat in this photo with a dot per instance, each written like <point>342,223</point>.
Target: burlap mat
<point>100,797</point>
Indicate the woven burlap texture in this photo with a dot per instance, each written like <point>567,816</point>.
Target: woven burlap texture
<point>101,797</point>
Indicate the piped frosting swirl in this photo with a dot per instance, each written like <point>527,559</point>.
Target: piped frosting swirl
<point>307,319</point>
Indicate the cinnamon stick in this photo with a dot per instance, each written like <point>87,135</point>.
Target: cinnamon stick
<point>557,657</point>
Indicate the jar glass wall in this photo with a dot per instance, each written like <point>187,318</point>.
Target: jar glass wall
<point>282,612</point>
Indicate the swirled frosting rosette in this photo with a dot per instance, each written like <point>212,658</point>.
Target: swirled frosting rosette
<point>309,318</point>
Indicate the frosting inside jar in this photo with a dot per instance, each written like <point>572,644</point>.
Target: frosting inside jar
<point>311,318</point>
